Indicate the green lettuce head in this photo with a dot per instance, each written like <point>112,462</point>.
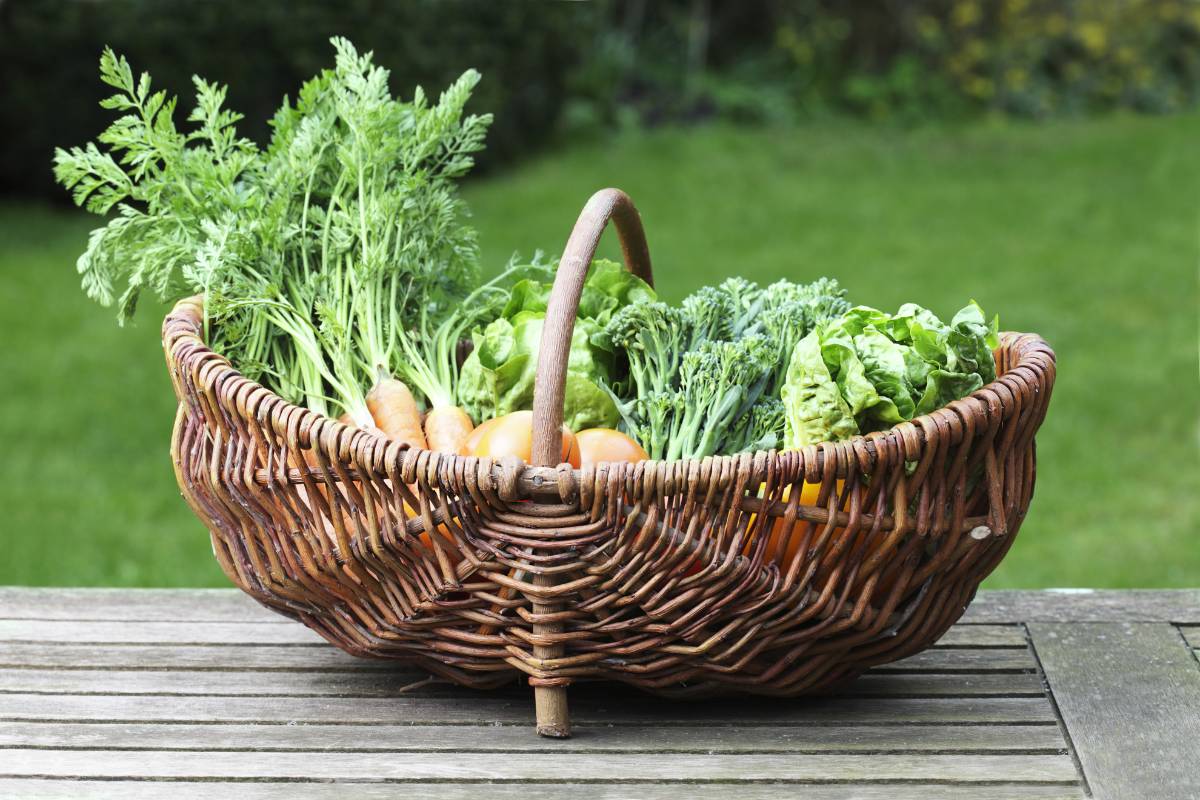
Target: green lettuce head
<point>868,370</point>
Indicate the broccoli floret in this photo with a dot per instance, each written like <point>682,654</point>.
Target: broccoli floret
<point>719,382</point>
<point>761,428</point>
<point>704,378</point>
<point>708,315</point>
<point>651,334</point>
<point>747,299</point>
<point>825,299</point>
<point>790,311</point>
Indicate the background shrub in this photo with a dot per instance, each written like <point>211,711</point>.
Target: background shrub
<point>581,68</point>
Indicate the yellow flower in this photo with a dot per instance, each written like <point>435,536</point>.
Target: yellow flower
<point>966,14</point>
<point>928,27</point>
<point>1093,36</point>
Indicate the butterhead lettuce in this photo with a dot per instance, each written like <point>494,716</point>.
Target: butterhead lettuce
<point>498,376</point>
<point>868,370</point>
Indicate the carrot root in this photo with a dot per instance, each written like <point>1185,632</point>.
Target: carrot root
<point>447,429</point>
<point>395,412</point>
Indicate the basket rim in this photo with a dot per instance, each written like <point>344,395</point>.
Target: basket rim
<point>1032,366</point>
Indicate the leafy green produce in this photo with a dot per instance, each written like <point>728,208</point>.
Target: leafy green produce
<point>868,370</point>
<point>338,254</point>
<point>735,333</point>
<point>719,383</point>
<point>498,377</point>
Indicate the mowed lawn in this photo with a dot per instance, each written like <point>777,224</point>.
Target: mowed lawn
<point>1083,231</point>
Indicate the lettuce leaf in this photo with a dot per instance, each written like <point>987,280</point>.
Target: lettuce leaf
<point>868,370</point>
<point>814,409</point>
<point>498,376</point>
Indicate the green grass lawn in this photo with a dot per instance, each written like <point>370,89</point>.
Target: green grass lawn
<point>1085,232</point>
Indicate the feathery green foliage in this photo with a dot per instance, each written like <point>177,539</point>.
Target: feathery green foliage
<point>338,253</point>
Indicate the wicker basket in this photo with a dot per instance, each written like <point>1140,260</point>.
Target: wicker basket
<point>661,574</point>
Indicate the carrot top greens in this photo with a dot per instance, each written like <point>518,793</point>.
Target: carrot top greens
<point>336,254</point>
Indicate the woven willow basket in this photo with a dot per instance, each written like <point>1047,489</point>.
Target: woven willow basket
<point>684,578</point>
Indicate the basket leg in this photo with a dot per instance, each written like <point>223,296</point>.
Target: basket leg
<point>550,702</point>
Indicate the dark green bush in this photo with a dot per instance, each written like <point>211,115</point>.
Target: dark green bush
<point>49,51</point>
<point>585,68</point>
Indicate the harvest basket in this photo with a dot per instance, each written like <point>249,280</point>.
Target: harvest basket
<point>663,575</point>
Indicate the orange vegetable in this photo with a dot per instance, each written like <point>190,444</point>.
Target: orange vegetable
<point>447,429</point>
<point>395,412</point>
<point>775,545</point>
<point>606,444</point>
<point>512,435</point>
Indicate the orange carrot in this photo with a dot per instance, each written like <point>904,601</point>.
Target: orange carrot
<point>395,412</point>
<point>447,428</point>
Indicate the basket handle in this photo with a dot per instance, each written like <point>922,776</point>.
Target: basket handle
<point>550,383</point>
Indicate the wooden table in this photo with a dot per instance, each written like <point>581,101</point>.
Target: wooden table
<point>113,693</point>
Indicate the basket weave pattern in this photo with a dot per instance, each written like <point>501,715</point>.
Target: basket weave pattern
<point>661,575</point>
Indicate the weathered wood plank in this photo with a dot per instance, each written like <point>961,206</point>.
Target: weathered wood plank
<point>973,768</point>
<point>232,605</point>
<point>69,631</point>
<point>394,684</point>
<point>1191,634</point>
<point>190,657</point>
<point>1130,697</point>
<point>953,659</point>
<point>1086,605</point>
<point>291,658</point>
<point>1044,739</point>
<point>480,708</point>
<point>155,605</point>
<point>259,633</point>
<point>983,636</point>
<point>223,790</point>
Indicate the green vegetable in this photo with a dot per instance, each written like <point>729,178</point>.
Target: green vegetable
<point>661,412</point>
<point>761,428</point>
<point>498,377</point>
<point>868,370</point>
<point>813,403</point>
<point>336,254</point>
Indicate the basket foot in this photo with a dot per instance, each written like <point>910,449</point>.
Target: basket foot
<point>550,703</point>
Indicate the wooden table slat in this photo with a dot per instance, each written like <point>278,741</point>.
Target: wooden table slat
<point>1086,605</point>
<point>185,658</point>
<point>1045,739</point>
<point>973,768</point>
<point>1129,694</point>
<point>260,633</point>
<point>388,684</point>
<point>231,605</point>
<point>219,790</point>
<point>114,605</point>
<point>1191,634</point>
<point>205,693</point>
<point>622,707</point>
